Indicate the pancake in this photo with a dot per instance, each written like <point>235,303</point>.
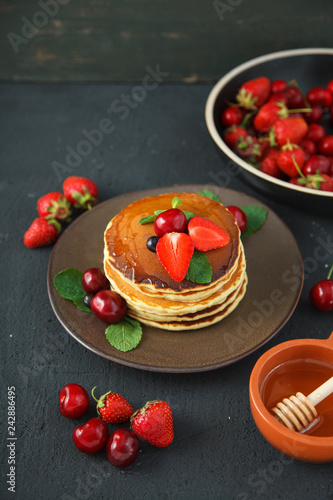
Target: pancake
<point>196,323</point>
<point>125,242</point>
<point>152,296</point>
<point>136,299</point>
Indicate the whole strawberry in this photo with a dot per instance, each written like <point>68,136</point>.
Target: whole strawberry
<point>113,408</point>
<point>54,207</point>
<point>41,233</point>
<point>291,159</point>
<point>81,192</point>
<point>154,423</point>
<point>254,93</point>
<point>232,135</point>
<point>289,129</point>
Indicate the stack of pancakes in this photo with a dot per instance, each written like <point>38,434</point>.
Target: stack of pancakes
<point>152,296</point>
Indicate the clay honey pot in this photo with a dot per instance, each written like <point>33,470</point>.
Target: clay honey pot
<point>295,365</point>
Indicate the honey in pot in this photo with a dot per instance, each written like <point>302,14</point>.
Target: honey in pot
<point>301,375</point>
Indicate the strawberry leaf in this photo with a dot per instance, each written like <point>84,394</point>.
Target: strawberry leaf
<point>200,270</point>
<point>256,217</point>
<point>68,284</point>
<point>125,335</point>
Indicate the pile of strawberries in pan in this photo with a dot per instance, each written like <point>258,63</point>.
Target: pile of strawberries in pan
<point>282,131</point>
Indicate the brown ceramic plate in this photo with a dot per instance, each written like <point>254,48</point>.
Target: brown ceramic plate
<point>274,267</point>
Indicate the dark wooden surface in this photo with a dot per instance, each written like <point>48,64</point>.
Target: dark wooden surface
<point>103,40</point>
<point>217,453</point>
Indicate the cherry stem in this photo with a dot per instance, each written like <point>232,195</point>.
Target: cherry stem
<point>330,273</point>
<point>301,110</point>
<point>92,393</point>
<point>300,173</point>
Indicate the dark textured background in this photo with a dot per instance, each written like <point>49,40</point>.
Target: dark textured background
<point>105,40</point>
<point>218,451</point>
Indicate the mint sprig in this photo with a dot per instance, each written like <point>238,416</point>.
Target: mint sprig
<point>256,218</point>
<point>209,194</point>
<point>68,284</point>
<point>256,215</point>
<point>125,335</point>
<point>176,202</point>
<point>200,270</point>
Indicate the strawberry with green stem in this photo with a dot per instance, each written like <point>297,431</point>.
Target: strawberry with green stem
<point>254,93</point>
<point>80,192</point>
<point>55,208</point>
<point>272,111</point>
<point>154,423</point>
<point>113,408</point>
<point>289,156</point>
<point>41,233</point>
<point>291,129</point>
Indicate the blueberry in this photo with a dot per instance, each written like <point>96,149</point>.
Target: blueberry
<point>151,243</point>
<point>88,298</point>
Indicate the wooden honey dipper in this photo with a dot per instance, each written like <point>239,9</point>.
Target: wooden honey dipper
<point>297,412</point>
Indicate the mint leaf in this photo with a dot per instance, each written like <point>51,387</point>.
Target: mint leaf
<point>199,271</point>
<point>68,284</point>
<point>150,218</point>
<point>210,194</point>
<point>188,214</point>
<point>256,217</point>
<point>175,202</point>
<point>125,335</point>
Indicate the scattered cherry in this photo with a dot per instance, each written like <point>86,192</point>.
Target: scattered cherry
<point>73,401</point>
<point>122,448</point>
<point>151,243</point>
<point>109,306</point>
<point>94,280</point>
<point>170,221</point>
<point>92,436</point>
<point>321,294</point>
<point>240,217</point>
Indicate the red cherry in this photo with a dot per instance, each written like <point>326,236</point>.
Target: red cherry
<point>315,132</point>
<point>321,294</point>
<point>278,85</point>
<point>319,96</point>
<point>317,162</point>
<point>325,146</point>
<point>295,97</point>
<point>308,146</point>
<point>92,436</point>
<point>122,448</point>
<point>73,401</point>
<point>108,306</point>
<point>330,86</point>
<point>232,116</point>
<point>170,221</point>
<point>314,116</point>
<point>94,280</point>
<point>278,97</point>
<point>240,217</point>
